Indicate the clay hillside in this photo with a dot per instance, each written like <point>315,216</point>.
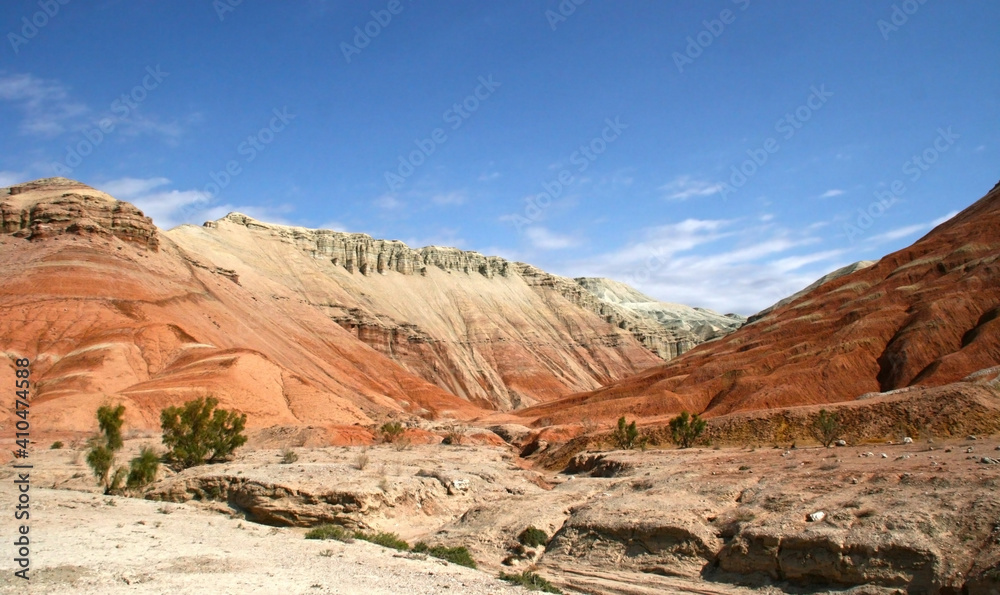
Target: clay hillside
<point>925,316</point>
<point>294,326</point>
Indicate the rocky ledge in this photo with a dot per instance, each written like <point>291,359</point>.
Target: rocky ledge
<point>667,330</point>
<point>55,206</point>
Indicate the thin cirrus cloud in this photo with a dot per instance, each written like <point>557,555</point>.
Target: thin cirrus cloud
<point>908,230</point>
<point>388,202</point>
<point>49,110</point>
<point>170,207</point>
<point>46,105</point>
<point>544,239</point>
<point>449,199</point>
<point>832,193</point>
<point>9,178</point>
<point>685,187</point>
<point>724,265</point>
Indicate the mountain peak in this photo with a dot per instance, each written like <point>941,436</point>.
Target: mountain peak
<point>50,207</point>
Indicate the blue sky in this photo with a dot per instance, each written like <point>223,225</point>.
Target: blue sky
<point>600,138</point>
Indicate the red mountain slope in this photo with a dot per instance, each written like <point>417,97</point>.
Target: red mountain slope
<point>109,309</point>
<point>924,316</point>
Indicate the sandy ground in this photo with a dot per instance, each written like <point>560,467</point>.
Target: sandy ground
<point>624,523</point>
<point>88,543</point>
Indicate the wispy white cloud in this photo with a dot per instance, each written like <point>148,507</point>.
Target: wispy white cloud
<point>725,265</point>
<point>794,263</point>
<point>9,178</point>
<point>832,193</point>
<point>46,104</point>
<point>333,226</point>
<point>449,198</point>
<point>445,237</point>
<point>49,110</point>
<point>685,187</point>
<point>944,218</point>
<point>169,207</point>
<point>489,176</point>
<point>127,188</point>
<point>388,202</point>
<point>909,230</point>
<point>545,239</point>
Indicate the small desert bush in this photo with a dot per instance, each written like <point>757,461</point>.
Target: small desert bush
<point>288,456</point>
<point>456,555</point>
<point>384,539</point>
<point>56,445</point>
<point>392,431</point>
<point>531,581</point>
<point>361,460</point>
<point>626,436</point>
<point>826,428</point>
<point>533,537</point>
<point>142,469</point>
<point>330,532</point>
<point>685,429</point>
<point>198,431</point>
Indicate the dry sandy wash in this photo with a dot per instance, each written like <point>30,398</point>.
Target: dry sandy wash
<point>921,517</point>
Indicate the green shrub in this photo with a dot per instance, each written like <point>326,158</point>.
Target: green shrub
<point>392,431</point>
<point>531,581</point>
<point>110,420</point>
<point>101,455</point>
<point>56,445</point>
<point>685,429</point>
<point>826,428</point>
<point>626,436</point>
<point>532,537</point>
<point>330,532</point>
<point>288,456</point>
<point>198,431</point>
<point>142,469</point>
<point>101,459</point>
<point>389,540</point>
<point>456,555</point>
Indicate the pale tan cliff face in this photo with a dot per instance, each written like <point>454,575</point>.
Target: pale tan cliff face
<point>108,308</point>
<point>292,326</point>
<point>499,334</point>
